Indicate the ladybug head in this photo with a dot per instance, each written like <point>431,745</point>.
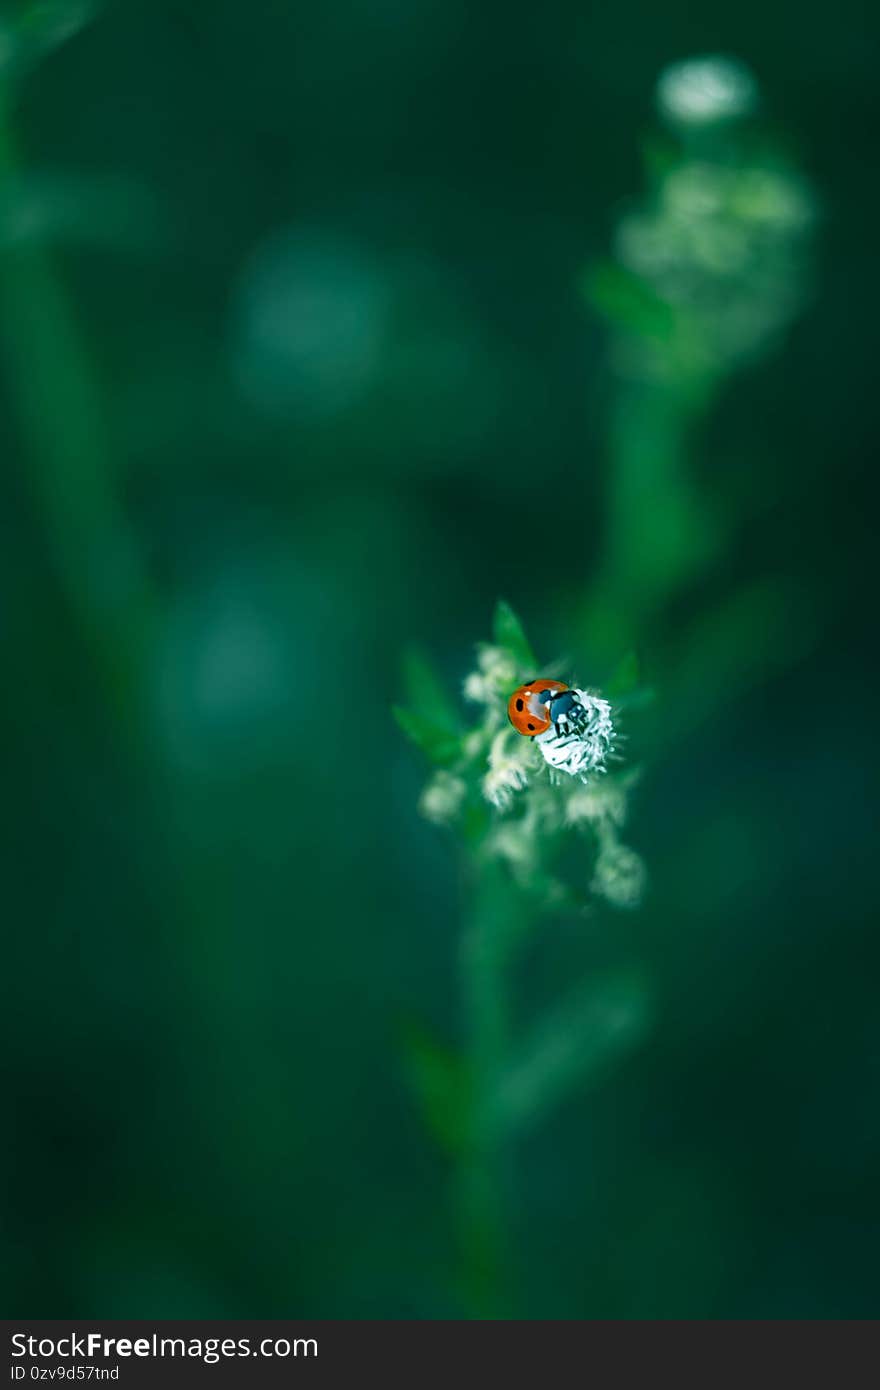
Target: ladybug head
<point>528,707</point>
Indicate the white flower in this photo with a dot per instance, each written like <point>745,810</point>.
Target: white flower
<point>514,842</point>
<point>472,745</point>
<point>580,751</point>
<point>703,91</point>
<point>497,675</point>
<point>508,768</point>
<point>475,688</point>
<point>598,802</point>
<point>500,783</point>
<point>619,875</point>
<point>442,798</point>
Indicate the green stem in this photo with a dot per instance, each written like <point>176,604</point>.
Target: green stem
<point>657,529</point>
<point>92,546</point>
<point>489,927</point>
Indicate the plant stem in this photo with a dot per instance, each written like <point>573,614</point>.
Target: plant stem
<point>92,546</point>
<point>481,1176</point>
<point>657,529</point>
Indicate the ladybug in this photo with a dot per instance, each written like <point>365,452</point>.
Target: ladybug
<point>533,707</point>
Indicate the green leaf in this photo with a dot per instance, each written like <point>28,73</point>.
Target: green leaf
<point>571,1047</point>
<point>508,632</point>
<point>426,695</point>
<point>627,302</point>
<point>439,1079</point>
<point>436,743</point>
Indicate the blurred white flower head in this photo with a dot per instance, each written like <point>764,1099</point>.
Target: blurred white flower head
<point>515,842</point>
<point>706,91</point>
<point>442,798</point>
<point>494,677</point>
<point>508,768</point>
<point>619,875</point>
<point>598,803</point>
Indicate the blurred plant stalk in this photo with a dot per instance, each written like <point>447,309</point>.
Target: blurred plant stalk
<point>531,844</point>
<point>482,1184</point>
<point>708,273</point>
<point>73,479</point>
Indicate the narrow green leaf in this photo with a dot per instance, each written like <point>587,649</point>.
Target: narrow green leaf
<point>426,695</point>
<point>436,743</point>
<point>626,301</point>
<point>508,632</point>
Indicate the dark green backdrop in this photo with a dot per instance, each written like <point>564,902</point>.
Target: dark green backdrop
<point>219,903</point>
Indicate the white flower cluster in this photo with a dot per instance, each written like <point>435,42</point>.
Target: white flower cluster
<point>545,791</point>
<point>725,239</point>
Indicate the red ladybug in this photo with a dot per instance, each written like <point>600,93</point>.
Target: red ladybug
<point>529,707</point>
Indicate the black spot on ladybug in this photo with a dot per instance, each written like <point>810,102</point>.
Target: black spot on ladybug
<point>519,704</point>
<point>531,726</point>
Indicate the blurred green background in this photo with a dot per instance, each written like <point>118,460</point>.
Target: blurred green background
<point>299,367</point>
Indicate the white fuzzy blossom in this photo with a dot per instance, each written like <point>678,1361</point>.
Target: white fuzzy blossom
<point>475,688</point>
<point>508,768</point>
<point>598,804</point>
<point>706,91</point>
<point>442,798</point>
<point>515,842</point>
<point>581,751</point>
<point>496,674</point>
<point>619,874</point>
